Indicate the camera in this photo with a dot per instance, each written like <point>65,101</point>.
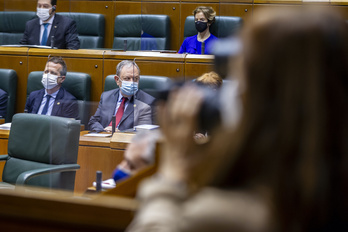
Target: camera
<point>209,115</point>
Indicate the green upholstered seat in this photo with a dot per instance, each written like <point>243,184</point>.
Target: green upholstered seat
<point>91,28</point>
<point>12,25</point>
<point>76,83</point>
<point>142,32</point>
<point>147,83</point>
<point>42,151</point>
<point>8,83</point>
<point>222,27</point>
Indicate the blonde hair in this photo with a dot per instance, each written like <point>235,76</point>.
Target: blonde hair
<point>208,12</point>
<point>211,79</point>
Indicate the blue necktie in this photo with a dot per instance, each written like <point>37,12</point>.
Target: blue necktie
<point>44,35</point>
<point>45,109</point>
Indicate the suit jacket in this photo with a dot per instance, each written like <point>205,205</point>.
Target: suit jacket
<point>141,114</point>
<point>3,103</point>
<point>63,29</point>
<point>65,104</point>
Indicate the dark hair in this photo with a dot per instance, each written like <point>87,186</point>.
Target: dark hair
<point>59,60</point>
<point>53,2</point>
<point>292,138</point>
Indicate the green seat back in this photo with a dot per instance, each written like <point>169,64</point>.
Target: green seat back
<point>76,83</point>
<point>91,28</point>
<point>12,25</point>
<point>41,141</point>
<point>142,32</point>
<point>8,83</point>
<point>223,26</point>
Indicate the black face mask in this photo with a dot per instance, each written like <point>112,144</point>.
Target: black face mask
<point>201,26</point>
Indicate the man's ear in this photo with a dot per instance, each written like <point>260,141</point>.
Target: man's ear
<point>116,78</point>
<point>62,79</point>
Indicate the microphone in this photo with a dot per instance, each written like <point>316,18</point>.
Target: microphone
<point>113,125</point>
<point>98,181</point>
<point>52,41</point>
<point>125,45</point>
<point>202,48</point>
<point>134,97</point>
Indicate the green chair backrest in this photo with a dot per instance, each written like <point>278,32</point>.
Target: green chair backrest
<point>223,26</point>
<point>41,141</point>
<point>142,32</point>
<point>91,28</point>
<point>76,83</point>
<point>8,83</point>
<point>12,25</point>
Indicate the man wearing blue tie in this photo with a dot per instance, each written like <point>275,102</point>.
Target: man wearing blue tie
<point>53,99</point>
<point>51,29</point>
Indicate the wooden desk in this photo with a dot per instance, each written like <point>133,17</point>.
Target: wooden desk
<point>99,154</point>
<point>95,154</point>
<point>34,209</point>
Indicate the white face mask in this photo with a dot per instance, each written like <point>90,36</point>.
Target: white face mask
<point>42,13</point>
<point>49,81</point>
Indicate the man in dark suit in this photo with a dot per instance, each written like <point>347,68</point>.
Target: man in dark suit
<point>130,106</point>
<point>53,99</point>
<point>51,29</point>
<point>3,103</point>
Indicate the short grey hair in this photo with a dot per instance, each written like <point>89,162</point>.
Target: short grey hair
<point>125,63</point>
<point>150,138</point>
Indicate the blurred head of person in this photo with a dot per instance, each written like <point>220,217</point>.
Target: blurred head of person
<point>139,154</point>
<point>291,142</point>
<point>210,79</point>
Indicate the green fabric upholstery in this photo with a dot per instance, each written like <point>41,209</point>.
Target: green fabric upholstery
<point>8,83</point>
<point>12,25</point>
<point>142,32</point>
<point>76,83</point>
<point>150,84</point>
<point>38,143</point>
<point>91,28</point>
<point>222,27</point>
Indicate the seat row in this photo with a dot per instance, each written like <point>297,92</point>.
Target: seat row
<point>76,83</point>
<point>131,31</point>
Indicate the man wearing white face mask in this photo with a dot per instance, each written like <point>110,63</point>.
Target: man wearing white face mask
<point>53,99</point>
<point>51,29</point>
<point>130,105</point>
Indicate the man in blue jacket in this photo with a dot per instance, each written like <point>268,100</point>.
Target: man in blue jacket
<point>53,99</point>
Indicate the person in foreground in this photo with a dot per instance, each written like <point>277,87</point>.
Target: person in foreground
<point>140,153</point>
<point>3,103</point>
<point>53,99</point>
<point>284,167</point>
<point>204,18</point>
<point>130,105</point>
<point>50,28</point>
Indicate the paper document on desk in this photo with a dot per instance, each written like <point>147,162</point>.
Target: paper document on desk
<point>106,184</point>
<point>146,127</point>
<point>98,135</point>
<point>5,126</point>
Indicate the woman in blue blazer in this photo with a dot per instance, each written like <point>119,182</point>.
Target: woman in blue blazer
<point>204,18</point>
